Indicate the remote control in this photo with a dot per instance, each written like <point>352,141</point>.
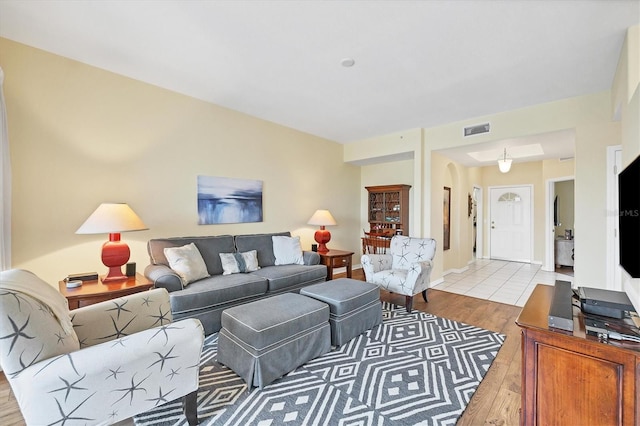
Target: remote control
<point>74,283</point>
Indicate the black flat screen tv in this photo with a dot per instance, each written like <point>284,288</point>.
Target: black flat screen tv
<point>629,218</point>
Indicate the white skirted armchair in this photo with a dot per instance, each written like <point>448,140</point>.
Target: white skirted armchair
<point>404,269</point>
<point>98,364</point>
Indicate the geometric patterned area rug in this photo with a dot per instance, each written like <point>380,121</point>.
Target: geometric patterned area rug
<point>412,369</point>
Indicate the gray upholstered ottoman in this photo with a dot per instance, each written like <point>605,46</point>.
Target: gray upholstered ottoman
<point>355,306</point>
<point>263,340</point>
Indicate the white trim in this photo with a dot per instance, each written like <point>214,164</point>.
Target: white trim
<point>455,271</point>
<point>613,270</point>
<point>436,282</point>
<point>5,184</point>
<point>631,287</point>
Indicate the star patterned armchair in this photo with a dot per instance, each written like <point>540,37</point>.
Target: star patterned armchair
<point>98,364</point>
<point>404,269</point>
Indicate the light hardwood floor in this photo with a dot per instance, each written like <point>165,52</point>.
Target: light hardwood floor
<point>497,399</point>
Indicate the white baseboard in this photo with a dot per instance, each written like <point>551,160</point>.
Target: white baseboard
<point>455,271</point>
<point>436,282</point>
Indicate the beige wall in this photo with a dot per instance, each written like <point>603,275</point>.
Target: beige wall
<point>403,152</point>
<point>80,136</point>
<point>448,173</point>
<point>598,121</point>
<point>626,107</point>
<point>588,116</point>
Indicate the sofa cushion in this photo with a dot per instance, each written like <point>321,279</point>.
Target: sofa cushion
<point>284,277</point>
<point>262,243</point>
<point>235,263</point>
<point>217,290</point>
<point>287,250</point>
<point>187,262</point>
<point>209,248</point>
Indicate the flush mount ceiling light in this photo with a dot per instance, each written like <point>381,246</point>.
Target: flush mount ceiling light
<point>504,162</point>
<point>347,62</point>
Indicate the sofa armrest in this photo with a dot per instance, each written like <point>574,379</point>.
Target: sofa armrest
<point>124,316</point>
<point>419,275</point>
<point>105,383</point>
<point>311,258</point>
<point>372,263</point>
<point>163,277</point>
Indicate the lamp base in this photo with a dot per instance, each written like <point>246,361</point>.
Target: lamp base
<point>115,253</point>
<point>114,274</point>
<point>322,237</point>
<point>322,248</point>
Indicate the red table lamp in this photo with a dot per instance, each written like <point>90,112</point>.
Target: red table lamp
<point>112,219</point>
<point>322,236</point>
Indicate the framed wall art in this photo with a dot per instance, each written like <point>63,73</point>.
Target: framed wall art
<point>446,215</point>
<point>228,200</point>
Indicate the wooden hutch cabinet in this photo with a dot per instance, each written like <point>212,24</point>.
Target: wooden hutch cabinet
<point>389,208</point>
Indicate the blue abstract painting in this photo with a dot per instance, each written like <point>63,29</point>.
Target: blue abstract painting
<point>228,200</point>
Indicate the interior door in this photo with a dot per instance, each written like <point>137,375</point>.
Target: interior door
<point>510,227</point>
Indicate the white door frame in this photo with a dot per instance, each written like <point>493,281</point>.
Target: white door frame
<point>549,264</point>
<point>531,221</point>
<point>614,274</point>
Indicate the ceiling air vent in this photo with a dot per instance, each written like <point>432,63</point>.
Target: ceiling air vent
<point>476,130</point>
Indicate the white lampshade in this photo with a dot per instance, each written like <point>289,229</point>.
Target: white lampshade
<point>111,218</point>
<point>322,218</point>
<point>504,162</point>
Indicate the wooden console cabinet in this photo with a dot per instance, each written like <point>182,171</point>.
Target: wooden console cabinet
<point>572,378</point>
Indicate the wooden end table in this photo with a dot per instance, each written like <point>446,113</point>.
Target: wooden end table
<point>95,291</point>
<point>336,259</point>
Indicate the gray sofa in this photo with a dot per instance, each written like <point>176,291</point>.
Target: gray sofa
<point>205,299</point>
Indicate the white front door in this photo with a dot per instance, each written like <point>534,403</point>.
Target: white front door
<point>510,225</point>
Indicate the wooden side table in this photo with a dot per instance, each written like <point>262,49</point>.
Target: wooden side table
<point>95,291</point>
<point>336,259</point>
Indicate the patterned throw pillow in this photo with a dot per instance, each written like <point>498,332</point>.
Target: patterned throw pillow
<point>187,262</point>
<point>287,250</point>
<point>235,263</point>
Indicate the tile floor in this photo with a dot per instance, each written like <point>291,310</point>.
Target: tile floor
<point>499,281</point>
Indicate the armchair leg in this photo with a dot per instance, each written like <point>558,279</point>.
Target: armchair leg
<point>409,303</point>
<point>191,407</point>
<point>424,296</point>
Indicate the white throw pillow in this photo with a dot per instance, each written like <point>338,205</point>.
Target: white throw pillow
<point>234,263</point>
<point>187,262</point>
<point>287,250</point>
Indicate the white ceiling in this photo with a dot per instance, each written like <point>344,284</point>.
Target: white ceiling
<point>417,63</point>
